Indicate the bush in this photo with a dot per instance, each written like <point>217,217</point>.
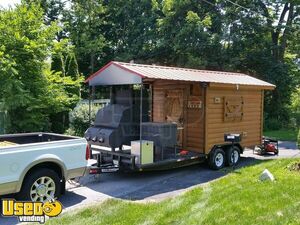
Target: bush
<point>79,119</point>
<point>272,124</point>
<point>296,117</point>
<point>298,139</point>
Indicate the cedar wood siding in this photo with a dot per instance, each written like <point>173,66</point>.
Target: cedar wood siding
<point>194,123</point>
<point>251,123</point>
<point>202,132</point>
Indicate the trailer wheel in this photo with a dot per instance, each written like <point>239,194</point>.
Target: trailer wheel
<point>232,156</point>
<point>217,159</point>
<point>41,185</point>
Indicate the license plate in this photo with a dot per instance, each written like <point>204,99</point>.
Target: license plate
<point>109,170</point>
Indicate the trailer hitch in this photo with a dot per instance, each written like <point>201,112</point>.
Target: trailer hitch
<point>105,168</point>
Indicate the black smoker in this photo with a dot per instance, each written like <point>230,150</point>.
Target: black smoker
<point>116,124</point>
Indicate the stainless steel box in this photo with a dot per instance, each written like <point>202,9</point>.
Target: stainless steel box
<point>144,153</point>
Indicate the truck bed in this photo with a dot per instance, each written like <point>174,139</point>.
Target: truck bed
<point>31,138</point>
<point>21,154</point>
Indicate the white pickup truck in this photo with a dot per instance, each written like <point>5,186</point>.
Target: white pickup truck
<point>37,165</point>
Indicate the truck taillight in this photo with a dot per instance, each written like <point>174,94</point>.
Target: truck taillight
<point>87,152</point>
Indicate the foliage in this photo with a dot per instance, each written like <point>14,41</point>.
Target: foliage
<point>84,22</point>
<point>3,118</point>
<point>77,37</point>
<point>295,107</point>
<point>282,135</point>
<point>238,198</point>
<point>80,120</point>
<point>298,139</point>
<point>194,41</point>
<point>272,124</point>
<point>296,100</point>
<point>29,90</point>
<point>260,38</point>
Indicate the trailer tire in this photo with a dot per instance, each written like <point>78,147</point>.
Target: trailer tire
<point>232,156</point>
<point>40,185</point>
<point>217,159</point>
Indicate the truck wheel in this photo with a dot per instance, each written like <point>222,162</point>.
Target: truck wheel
<point>217,159</point>
<point>40,186</point>
<point>232,156</point>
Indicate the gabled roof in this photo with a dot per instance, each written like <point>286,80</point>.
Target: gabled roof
<point>129,73</point>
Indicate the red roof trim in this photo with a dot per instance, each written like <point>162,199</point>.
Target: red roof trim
<point>107,65</point>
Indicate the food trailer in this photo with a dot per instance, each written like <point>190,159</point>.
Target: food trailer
<point>164,117</point>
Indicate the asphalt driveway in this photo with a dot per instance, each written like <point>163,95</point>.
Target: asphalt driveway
<point>151,186</point>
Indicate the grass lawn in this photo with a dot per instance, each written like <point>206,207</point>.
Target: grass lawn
<point>238,198</point>
<point>282,135</point>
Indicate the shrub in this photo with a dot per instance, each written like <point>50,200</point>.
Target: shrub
<point>298,139</point>
<point>296,117</point>
<point>79,119</point>
<point>272,124</point>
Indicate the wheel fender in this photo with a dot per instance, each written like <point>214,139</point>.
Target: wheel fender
<point>227,145</point>
<point>46,158</point>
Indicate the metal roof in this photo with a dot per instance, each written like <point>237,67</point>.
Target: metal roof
<point>130,73</point>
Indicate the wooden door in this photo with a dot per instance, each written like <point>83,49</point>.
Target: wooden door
<point>173,110</point>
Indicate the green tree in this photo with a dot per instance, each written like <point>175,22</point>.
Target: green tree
<point>131,30</point>
<point>257,37</point>
<point>85,24</point>
<point>189,34</point>
<point>30,91</point>
<point>257,41</point>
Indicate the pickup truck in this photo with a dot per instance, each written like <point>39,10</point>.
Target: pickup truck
<point>35,166</point>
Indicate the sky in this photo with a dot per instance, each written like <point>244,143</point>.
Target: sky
<point>6,3</point>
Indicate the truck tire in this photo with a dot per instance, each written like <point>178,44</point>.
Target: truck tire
<point>232,156</point>
<point>217,159</point>
<point>40,185</point>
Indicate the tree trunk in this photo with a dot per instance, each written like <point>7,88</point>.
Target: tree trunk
<point>279,44</point>
<point>286,32</point>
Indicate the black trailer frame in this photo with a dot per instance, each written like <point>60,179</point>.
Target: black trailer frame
<point>124,161</point>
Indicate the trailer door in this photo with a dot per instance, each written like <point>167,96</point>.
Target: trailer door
<point>174,105</point>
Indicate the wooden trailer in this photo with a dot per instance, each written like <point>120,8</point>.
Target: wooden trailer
<point>217,114</point>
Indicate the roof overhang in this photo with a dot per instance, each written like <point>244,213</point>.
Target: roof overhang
<point>113,74</point>
<point>118,73</point>
<point>241,86</point>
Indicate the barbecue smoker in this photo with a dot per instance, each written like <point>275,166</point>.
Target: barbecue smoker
<point>116,124</point>
<point>123,124</point>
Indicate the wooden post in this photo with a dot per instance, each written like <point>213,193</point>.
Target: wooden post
<point>90,102</point>
<point>205,105</point>
<point>262,114</point>
<point>141,120</point>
